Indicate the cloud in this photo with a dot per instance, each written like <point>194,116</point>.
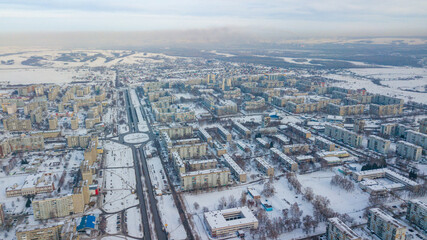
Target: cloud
<point>297,16</point>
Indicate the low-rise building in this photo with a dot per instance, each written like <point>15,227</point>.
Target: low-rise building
<point>385,226</point>
<point>222,223</point>
<point>50,231</point>
<point>33,184</point>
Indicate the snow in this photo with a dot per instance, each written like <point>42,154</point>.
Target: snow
<point>156,173</point>
<point>397,81</point>
<point>169,214</point>
<point>133,222</point>
<point>111,224</point>
<point>136,138</point>
<point>118,155</point>
<point>353,203</point>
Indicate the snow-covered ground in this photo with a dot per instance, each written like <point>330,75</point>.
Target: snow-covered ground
<point>118,155</point>
<point>136,138</point>
<point>157,175</point>
<point>170,217</point>
<point>133,222</point>
<point>396,80</point>
<point>353,203</point>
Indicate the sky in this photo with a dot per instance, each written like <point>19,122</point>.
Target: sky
<point>341,16</point>
<point>264,20</point>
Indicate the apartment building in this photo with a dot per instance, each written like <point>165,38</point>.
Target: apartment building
<point>205,178</point>
<point>378,144</point>
<point>417,213</point>
<point>191,150</point>
<point>74,122</point>
<point>254,104</point>
<point>289,162</point>
<point>310,107</point>
<point>341,134</point>
<point>205,136</point>
<point>325,144</point>
<point>21,144</point>
<point>281,101</point>
<point>51,231</point>
<point>177,131</point>
<point>151,87</point>
<point>345,110</point>
<point>15,124</point>
<point>386,100</point>
<point>82,141</point>
<point>385,226</point>
<point>235,169</point>
<point>90,122</point>
<point>296,148</point>
<point>264,166</point>
<point>173,114</point>
<point>338,230</point>
<point>385,110</point>
<point>244,131</point>
<point>417,138</point>
<point>299,131</point>
<point>222,223</point>
<point>408,150</point>
<point>224,133</point>
<point>423,126</point>
<point>46,208</point>
<point>232,93</point>
<point>219,107</point>
<point>53,123</point>
<point>196,165</point>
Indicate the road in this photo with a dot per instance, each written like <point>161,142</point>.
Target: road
<point>141,169</point>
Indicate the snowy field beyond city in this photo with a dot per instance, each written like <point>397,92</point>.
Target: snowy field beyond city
<point>37,76</point>
<point>404,82</point>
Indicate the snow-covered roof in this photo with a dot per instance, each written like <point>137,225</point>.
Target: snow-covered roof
<point>218,219</point>
<point>233,165</point>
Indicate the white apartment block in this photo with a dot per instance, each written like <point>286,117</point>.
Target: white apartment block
<point>289,162</point>
<point>417,213</point>
<point>385,226</point>
<point>378,144</point>
<point>341,134</point>
<point>408,150</point>
<point>417,138</point>
<point>235,169</point>
<point>337,230</point>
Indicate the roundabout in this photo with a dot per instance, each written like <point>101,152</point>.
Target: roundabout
<point>136,138</point>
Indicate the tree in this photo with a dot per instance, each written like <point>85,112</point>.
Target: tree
<point>295,211</point>
<point>243,199</point>
<point>308,193</point>
<point>196,205</point>
<point>28,203</point>
<point>307,223</point>
<point>232,202</point>
<point>222,202</point>
<point>205,209</point>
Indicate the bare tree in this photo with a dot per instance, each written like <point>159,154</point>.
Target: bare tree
<point>196,205</point>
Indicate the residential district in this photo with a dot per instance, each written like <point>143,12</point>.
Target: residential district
<point>182,149</point>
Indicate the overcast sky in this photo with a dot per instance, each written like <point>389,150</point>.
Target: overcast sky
<point>389,17</point>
